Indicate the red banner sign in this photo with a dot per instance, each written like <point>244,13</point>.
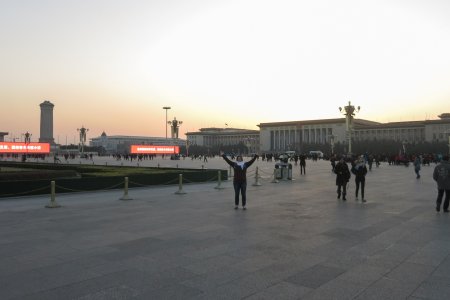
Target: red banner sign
<point>28,148</point>
<point>150,149</point>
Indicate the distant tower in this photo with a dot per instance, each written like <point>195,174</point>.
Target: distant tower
<point>46,122</point>
<point>2,136</point>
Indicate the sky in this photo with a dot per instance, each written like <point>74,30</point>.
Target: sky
<point>112,65</point>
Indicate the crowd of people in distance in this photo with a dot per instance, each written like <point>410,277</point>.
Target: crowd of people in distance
<point>359,167</point>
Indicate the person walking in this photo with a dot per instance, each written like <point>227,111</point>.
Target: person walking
<point>441,175</point>
<point>333,163</point>
<point>417,164</point>
<point>240,178</point>
<point>342,177</point>
<point>360,171</point>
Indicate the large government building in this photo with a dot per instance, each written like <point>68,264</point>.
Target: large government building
<point>121,143</point>
<point>283,136</point>
<point>211,137</point>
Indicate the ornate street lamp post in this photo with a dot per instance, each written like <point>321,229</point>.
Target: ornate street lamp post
<point>27,137</point>
<point>83,131</point>
<point>349,112</point>
<point>175,124</point>
<point>166,108</point>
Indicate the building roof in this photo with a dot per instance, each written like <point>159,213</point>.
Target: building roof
<point>131,137</point>
<point>317,122</point>
<point>223,131</point>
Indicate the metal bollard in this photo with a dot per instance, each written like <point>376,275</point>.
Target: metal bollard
<point>180,185</point>
<point>219,181</point>
<point>274,176</point>
<point>257,183</point>
<point>125,191</point>
<point>52,203</point>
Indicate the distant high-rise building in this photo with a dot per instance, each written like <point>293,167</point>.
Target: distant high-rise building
<point>46,135</point>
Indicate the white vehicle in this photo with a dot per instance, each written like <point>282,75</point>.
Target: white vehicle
<point>290,154</point>
<point>318,153</point>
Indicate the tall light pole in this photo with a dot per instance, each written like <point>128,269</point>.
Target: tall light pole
<point>166,108</point>
<point>332,144</point>
<point>349,112</point>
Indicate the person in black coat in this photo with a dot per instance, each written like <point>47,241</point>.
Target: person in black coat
<point>240,178</point>
<point>360,171</point>
<point>302,164</point>
<point>342,177</point>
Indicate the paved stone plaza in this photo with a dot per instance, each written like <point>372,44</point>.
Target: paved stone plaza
<point>295,241</point>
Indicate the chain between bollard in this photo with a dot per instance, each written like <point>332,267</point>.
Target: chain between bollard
<point>125,191</point>
<point>180,185</point>
<point>52,203</point>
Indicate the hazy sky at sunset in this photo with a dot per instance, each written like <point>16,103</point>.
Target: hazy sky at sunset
<point>112,65</point>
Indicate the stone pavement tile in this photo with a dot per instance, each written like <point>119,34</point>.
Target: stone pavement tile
<point>346,260</point>
<point>364,274</point>
<point>154,264</point>
<point>172,292</point>
<point>20,284</point>
<point>348,234</point>
<point>392,256</point>
<point>419,238</point>
<point>108,268</point>
<point>391,236</point>
<point>211,264</point>
<point>254,263</point>
<point>369,248</point>
<point>288,266</point>
<point>410,273</point>
<point>243,286</point>
<point>435,288</point>
<point>386,289</point>
<point>336,246</point>
<point>412,212</point>
<point>214,279</point>
<point>121,292</point>
<point>282,290</point>
<point>315,276</point>
<point>310,243</point>
<point>132,279</point>
<point>335,289</point>
<point>431,254</point>
<point>443,270</point>
<point>11,265</point>
<point>214,250</point>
